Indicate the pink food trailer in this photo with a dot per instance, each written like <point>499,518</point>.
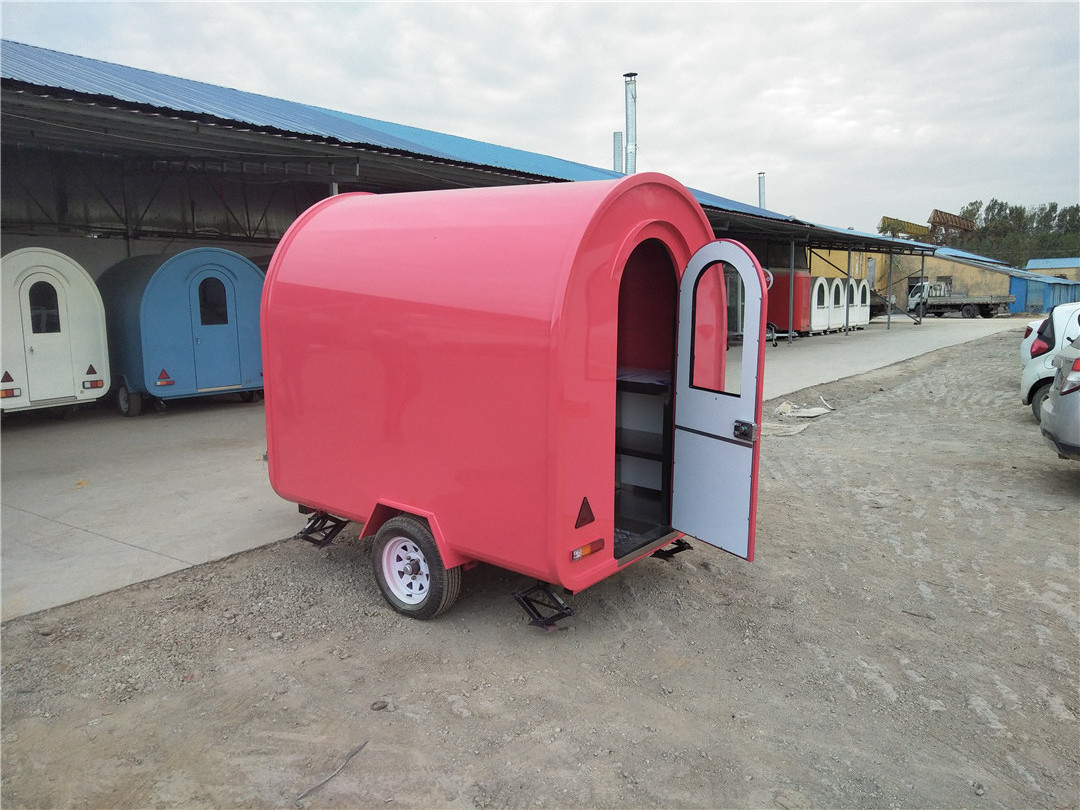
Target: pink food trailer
<point>537,377</point>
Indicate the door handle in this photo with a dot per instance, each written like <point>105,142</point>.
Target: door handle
<point>745,431</point>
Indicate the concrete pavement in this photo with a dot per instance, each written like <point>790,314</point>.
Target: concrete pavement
<point>824,358</point>
<point>97,502</point>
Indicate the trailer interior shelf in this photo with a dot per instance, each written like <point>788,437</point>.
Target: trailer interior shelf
<point>642,458</point>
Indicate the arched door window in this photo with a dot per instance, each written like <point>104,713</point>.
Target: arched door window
<point>44,308</point>
<point>213,302</point>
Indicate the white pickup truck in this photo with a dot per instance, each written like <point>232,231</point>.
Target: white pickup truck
<point>935,298</point>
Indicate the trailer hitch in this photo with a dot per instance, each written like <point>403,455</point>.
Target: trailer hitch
<point>540,596</point>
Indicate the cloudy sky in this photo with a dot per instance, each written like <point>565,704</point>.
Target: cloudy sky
<point>853,110</point>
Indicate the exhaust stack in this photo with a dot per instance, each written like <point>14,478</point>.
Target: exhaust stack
<point>631,122</point>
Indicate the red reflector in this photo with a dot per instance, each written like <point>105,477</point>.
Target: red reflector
<point>6,378</point>
<point>164,375</point>
<point>90,370</point>
<point>585,551</point>
<point>1028,330</point>
<point>584,515</point>
<point>1039,347</point>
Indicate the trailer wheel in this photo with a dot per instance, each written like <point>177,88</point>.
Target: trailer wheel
<point>129,403</point>
<point>410,570</point>
<point>969,310</point>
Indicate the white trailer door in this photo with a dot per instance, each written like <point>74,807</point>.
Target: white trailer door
<point>718,383</point>
<point>47,338</point>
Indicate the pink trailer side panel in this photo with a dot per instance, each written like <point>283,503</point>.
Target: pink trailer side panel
<point>454,354</point>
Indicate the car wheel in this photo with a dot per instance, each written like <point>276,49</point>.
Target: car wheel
<point>969,310</point>
<point>1038,397</point>
<point>410,570</point>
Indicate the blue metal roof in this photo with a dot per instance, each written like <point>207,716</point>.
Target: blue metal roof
<point>961,255</point>
<point>1052,264</point>
<point>48,68</point>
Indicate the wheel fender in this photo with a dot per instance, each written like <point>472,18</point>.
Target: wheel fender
<point>384,510</point>
<point>135,388</point>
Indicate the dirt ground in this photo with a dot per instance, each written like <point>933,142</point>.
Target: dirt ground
<point>907,637</point>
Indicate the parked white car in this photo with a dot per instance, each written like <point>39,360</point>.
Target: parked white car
<point>1061,410</point>
<point>1061,327</point>
<point>1030,333</point>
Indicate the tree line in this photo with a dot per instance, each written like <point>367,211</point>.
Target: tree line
<point>1015,233</point>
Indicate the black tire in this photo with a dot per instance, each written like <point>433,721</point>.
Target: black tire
<point>986,312</point>
<point>921,311</point>
<point>410,570</point>
<point>969,310</point>
<point>1038,395</point>
<point>129,403</point>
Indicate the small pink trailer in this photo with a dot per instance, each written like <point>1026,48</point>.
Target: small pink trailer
<point>535,377</point>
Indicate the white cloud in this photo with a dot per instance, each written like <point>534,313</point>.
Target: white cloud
<point>854,110</point>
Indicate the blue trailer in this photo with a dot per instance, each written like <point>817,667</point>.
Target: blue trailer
<point>185,325</point>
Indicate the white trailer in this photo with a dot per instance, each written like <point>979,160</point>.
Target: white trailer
<point>55,351</point>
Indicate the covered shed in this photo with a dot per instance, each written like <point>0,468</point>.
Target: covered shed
<point>1036,292</point>
<point>1066,268</point>
<point>141,161</point>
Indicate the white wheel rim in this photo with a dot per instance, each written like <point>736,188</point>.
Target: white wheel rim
<point>405,570</point>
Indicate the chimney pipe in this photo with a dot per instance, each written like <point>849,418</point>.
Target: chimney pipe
<point>631,122</point>
<point>617,152</point>
<point>761,189</point>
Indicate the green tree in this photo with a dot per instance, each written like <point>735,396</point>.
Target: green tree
<point>1014,233</point>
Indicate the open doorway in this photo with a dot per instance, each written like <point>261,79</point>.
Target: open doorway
<point>643,406</point>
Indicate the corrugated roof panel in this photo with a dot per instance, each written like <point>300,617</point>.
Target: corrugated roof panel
<point>1053,264</point>
<point>48,68</point>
